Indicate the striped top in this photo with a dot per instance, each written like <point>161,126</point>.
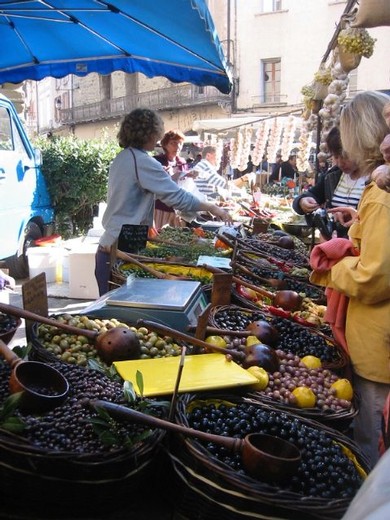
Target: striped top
<point>348,191</point>
<point>208,178</point>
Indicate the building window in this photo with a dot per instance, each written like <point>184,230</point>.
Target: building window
<point>271,80</point>
<point>269,6</point>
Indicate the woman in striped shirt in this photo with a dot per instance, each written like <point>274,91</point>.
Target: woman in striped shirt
<point>342,185</point>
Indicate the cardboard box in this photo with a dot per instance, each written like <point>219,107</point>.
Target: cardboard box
<point>82,281</point>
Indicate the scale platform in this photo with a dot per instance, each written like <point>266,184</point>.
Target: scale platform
<point>176,303</point>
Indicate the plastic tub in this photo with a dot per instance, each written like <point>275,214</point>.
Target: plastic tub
<point>43,260</point>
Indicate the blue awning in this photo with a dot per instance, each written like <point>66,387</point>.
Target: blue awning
<point>175,39</point>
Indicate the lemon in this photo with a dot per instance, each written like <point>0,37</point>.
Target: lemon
<point>262,376</point>
<point>344,389</point>
<point>304,397</point>
<point>311,361</point>
<point>217,341</point>
<point>252,340</point>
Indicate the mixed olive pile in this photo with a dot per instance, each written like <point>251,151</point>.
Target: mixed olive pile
<point>325,470</point>
<point>77,350</point>
<point>69,427</point>
<point>294,374</point>
<point>292,337</point>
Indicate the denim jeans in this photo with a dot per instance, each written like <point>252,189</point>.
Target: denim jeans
<point>367,424</point>
<point>102,270</point>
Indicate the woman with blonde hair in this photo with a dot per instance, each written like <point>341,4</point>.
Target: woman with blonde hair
<point>365,278</point>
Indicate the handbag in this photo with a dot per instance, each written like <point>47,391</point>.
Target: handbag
<point>133,237</point>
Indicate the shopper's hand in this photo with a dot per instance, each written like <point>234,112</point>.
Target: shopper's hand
<point>345,215</point>
<point>6,281</point>
<point>385,148</point>
<point>221,214</point>
<point>381,176</point>
<point>308,204</point>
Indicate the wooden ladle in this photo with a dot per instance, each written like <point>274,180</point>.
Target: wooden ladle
<point>116,344</point>
<point>264,457</point>
<point>273,282</point>
<point>42,387</point>
<point>286,299</point>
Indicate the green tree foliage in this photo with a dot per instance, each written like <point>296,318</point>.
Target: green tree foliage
<point>76,172</point>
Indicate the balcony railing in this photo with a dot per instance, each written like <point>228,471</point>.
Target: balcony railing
<point>163,99</point>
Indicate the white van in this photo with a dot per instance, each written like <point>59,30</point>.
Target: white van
<point>26,213</point>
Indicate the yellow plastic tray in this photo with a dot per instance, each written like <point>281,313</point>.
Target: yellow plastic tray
<point>200,372</point>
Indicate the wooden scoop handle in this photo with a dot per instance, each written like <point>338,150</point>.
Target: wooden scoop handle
<point>22,313</point>
<point>273,282</point>
<point>8,354</point>
<point>255,288</point>
<point>128,414</point>
<point>129,258</point>
<point>167,331</point>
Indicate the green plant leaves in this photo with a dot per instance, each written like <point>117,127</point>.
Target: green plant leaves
<point>76,173</point>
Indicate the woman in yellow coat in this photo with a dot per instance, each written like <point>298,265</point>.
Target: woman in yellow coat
<point>365,279</point>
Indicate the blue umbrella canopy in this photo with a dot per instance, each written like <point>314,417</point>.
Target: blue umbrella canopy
<point>175,39</point>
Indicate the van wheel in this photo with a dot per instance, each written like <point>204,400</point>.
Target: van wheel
<point>18,265</point>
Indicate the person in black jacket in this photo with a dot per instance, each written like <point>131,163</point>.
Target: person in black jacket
<point>286,169</point>
<point>342,185</point>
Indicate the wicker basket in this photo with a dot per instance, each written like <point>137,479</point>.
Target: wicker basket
<point>118,277</point>
<point>7,336</point>
<point>68,479</point>
<point>241,301</point>
<point>218,489</point>
<point>339,419</point>
<point>281,255</point>
<point>340,359</point>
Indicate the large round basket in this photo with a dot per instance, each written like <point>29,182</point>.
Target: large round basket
<point>316,323</point>
<point>66,477</point>
<point>236,319</point>
<point>7,333</point>
<point>221,491</point>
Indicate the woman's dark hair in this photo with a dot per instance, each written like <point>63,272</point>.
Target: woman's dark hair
<point>333,142</point>
<point>138,127</point>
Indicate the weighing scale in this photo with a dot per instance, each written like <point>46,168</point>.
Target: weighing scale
<point>176,303</point>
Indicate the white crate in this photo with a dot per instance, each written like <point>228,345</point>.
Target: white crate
<point>82,281</point>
